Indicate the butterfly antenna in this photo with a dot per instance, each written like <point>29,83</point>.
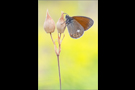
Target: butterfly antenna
<point>66,14</point>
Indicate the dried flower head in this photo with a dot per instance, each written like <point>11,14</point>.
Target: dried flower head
<point>49,25</point>
<point>61,24</point>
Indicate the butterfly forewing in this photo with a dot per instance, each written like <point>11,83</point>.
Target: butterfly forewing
<point>75,29</point>
<point>84,21</point>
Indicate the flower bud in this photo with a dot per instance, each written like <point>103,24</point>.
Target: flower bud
<point>49,25</point>
<point>61,24</point>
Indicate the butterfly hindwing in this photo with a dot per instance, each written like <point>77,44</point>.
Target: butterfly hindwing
<point>75,29</point>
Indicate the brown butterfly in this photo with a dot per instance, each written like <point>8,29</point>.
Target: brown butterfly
<point>77,25</point>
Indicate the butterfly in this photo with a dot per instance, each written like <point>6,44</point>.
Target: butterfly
<point>76,25</point>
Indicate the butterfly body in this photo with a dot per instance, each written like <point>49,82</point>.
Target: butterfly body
<point>68,19</point>
<point>77,25</point>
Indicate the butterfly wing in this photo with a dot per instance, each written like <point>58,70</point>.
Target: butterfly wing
<point>86,22</point>
<point>75,29</point>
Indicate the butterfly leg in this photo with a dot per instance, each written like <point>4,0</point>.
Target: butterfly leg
<point>63,22</point>
<point>67,22</point>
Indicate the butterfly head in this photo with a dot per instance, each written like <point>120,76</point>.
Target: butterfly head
<point>68,18</point>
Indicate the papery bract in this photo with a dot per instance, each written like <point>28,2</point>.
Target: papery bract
<point>49,25</point>
<point>61,24</point>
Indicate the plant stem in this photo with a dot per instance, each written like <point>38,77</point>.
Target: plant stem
<point>55,48</point>
<point>51,38</point>
<point>59,70</point>
<point>57,53</point>
<point>60,35</point>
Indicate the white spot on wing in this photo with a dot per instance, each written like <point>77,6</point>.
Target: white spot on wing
<point>78,30</point>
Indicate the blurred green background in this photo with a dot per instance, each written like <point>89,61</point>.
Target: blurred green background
<point>78,57</point>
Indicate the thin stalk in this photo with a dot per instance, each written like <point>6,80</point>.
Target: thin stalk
<point>60,35</point>
<point>58,58</point>
<point>58,53</point>
<point>54,44</point>
<point>59,41</point>
<point>59,71</point>
<point>51,38</point>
